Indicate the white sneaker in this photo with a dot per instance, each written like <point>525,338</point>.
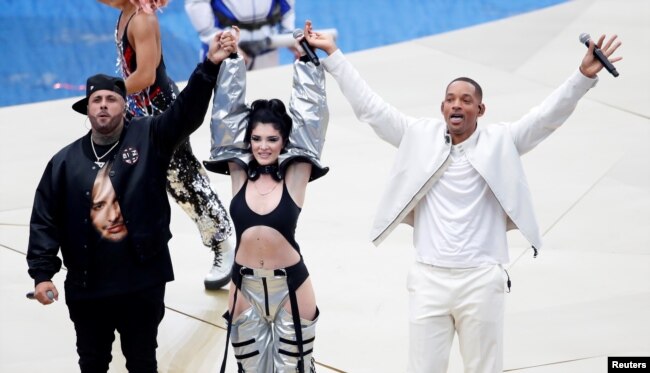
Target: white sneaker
<point>224,256</point>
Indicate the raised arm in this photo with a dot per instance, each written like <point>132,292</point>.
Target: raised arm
<point>388,122</point>
<point>187,113</point>
<point>545,118</point>
<point>310,115</point>
<point>228,152</point>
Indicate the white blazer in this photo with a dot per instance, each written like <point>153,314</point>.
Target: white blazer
<point>494,150</point>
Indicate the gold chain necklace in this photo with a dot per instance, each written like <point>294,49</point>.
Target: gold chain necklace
<point>267,193</point>
<point>97,162</point>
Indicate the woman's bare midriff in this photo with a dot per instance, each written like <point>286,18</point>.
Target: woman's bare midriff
<point>264,247</point>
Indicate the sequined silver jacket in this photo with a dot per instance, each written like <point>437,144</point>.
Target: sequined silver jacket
<point>307,108</point>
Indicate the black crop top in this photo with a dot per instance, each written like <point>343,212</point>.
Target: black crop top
<point>284,218</point>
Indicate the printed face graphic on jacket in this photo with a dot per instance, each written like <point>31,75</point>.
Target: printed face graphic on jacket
<point>105,213</point>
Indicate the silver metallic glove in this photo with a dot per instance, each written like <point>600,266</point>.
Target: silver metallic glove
<point>308,109</point>
<point>228,123</point>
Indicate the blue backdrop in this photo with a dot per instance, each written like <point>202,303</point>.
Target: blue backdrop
<point>49,47</point>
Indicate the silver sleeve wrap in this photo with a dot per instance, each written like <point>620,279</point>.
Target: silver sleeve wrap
<point>310,115</point>
<point>228,123</point>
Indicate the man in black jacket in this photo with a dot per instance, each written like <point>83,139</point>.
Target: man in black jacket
<point>102,201</point>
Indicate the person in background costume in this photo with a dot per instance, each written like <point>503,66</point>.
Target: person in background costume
<point>257,20</point>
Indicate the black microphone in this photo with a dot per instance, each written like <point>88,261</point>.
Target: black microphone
<point>298,34</point>
<point>584,38</point>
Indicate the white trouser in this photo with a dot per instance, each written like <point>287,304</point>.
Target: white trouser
<point>469,301</point>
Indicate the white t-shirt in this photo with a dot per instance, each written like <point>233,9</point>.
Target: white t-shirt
<point>459,223</point>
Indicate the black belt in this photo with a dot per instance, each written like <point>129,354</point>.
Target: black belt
<point>296,274</point>
<point>245,271</point>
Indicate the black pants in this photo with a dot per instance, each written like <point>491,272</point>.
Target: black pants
<point>135,316</point>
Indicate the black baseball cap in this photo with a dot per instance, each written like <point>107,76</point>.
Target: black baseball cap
<point>97,83</point>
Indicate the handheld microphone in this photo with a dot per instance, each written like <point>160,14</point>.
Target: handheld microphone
<point>298,34</point>
<point>584,38</point>
<point>50,294</point>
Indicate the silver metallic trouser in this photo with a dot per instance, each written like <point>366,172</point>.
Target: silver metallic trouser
<point>189,185</point>
<point>263,336</point>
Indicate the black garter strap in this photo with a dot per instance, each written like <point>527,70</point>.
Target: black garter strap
<point>296,276</point>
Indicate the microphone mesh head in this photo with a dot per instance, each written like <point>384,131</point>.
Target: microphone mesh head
<point>584,37</point>
<point>297,33</point>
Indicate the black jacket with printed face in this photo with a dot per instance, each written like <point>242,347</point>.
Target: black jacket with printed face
<point>63,201</point>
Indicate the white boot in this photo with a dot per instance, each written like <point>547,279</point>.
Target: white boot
<point>224,256</point>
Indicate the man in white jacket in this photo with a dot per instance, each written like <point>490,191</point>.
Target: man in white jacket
<point>461,186</point>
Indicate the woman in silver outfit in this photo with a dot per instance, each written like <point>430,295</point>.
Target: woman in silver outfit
<point>271,156</point>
